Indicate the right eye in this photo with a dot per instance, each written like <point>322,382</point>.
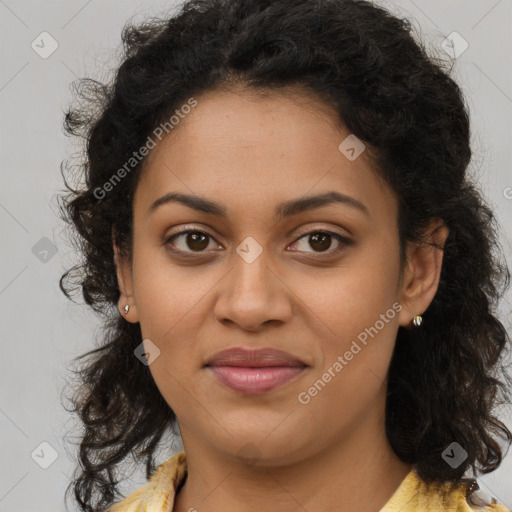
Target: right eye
<point>190,241</point>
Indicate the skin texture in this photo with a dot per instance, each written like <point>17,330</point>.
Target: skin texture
<point>250,153</point>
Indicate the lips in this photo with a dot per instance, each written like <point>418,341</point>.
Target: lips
<point>254,358</point>
<point>254,371</point>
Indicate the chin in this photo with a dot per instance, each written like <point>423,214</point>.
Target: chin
<point>262,448</point>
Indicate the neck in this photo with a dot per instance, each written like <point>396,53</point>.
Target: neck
<point>359,472</point>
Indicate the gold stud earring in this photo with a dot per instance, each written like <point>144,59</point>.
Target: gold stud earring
<point>417,320</point>
<point>126,309</point>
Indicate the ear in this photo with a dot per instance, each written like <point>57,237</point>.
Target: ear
<point>125,283</point>
<point>422,273</point>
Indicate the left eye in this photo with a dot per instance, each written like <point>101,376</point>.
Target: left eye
<point>193,241</point>
<point>321,241</point>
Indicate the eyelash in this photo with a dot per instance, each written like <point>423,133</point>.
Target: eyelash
<point>343,242</point>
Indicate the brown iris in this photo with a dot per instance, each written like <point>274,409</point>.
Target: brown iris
<point>199,239</point>
<point>322,240</point>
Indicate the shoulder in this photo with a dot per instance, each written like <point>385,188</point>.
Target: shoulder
<point>416,495</point>
<point>483,502</point>
<point>485,506</point>
<point>158,494</point>
<point>133,503</point>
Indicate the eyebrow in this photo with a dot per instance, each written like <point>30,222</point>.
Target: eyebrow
<point>283,210</point>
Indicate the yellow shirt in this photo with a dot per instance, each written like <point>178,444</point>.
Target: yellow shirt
<point>412,495</point>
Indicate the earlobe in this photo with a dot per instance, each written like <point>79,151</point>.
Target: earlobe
<point>126,303</point>
<point>128,311</point>
<point>422,273</point>
<point>407,312</point>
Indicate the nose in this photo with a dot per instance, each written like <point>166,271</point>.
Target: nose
<point>253,295</point>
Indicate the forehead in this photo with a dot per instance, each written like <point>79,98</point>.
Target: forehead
<point>247,149</point>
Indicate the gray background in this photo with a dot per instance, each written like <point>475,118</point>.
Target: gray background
<point>41,329</point>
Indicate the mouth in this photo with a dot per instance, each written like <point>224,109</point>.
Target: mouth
<point>254,371</point>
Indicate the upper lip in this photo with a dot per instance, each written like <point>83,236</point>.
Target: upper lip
<point>254,357</point>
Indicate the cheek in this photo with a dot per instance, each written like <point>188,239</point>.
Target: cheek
<point>353,296</point>
<point>362,318</point>
<point>357,305</point>
<point>337,401</point>
<point>167,295</point>
<point>171,305</point>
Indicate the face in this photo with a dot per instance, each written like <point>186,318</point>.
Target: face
<point>317,280</point>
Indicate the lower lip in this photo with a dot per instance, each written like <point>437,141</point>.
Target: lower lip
<point>255,380</point>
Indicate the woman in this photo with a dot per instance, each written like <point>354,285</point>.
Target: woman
<point>292,266</point>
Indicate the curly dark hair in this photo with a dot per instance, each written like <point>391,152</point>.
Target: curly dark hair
<point>447,379</point>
